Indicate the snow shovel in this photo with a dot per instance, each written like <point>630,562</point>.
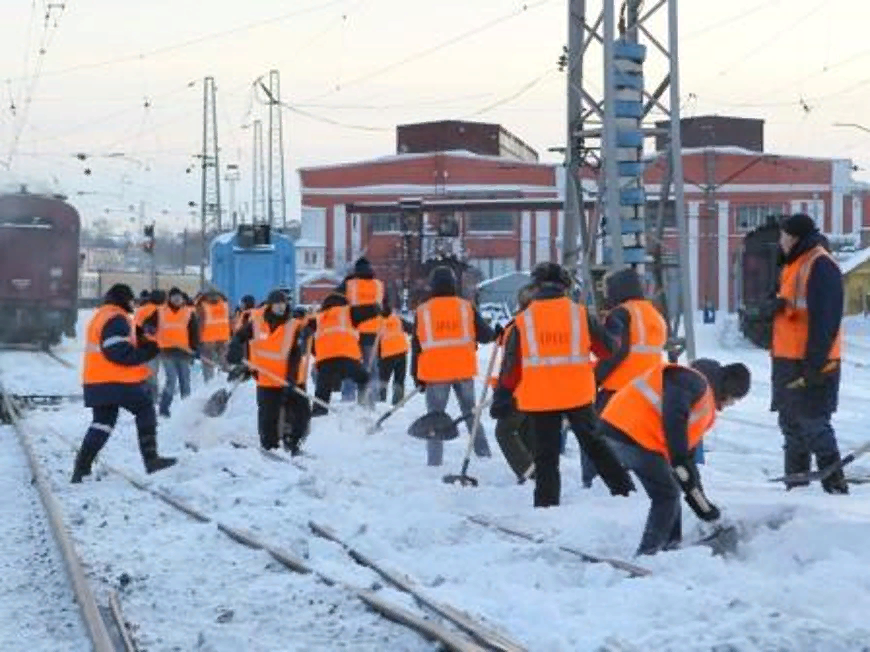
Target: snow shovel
<point>284,383</point>
<point>216,404</point>
<point>829,470</point>
<point>386,415</point>
<point>439,425</point>
<point>463,478</point>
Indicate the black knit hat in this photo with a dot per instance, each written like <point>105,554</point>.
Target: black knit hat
<point>799,225</point>
<point>736,380</point>
<point>276,296</point>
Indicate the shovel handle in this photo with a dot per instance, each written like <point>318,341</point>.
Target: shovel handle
<point>284,383</point>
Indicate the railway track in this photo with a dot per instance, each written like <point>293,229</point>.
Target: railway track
<point>104,624</point>
<point>431,619</point>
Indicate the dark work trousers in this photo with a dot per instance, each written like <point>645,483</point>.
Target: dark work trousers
<point>588,470</point>
<point>437,396</point>
<point>332,374</point>
<point>806,437</point>
<point>214,352</point>
<point>269,403</point>
<point>106,416</point>
<point>395,366</point>
<point>663,528</point>
<point>516,441</point>
<point>297,420</point>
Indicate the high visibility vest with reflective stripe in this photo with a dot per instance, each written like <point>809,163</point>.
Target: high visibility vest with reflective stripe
<point>216,322</point>
<point>445,331</point>
<point>172,327</point>
<point>143,312</point>
<point>335,336</point>
<point>366,292</point>
<point>648,333</point>
<point>97,368</point>
<point>636,411</point>
<point>556,369</point>
<point>269,349</point>
<point>393,341</point>
<point>791,326</point>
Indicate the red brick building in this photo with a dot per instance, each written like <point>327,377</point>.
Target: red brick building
<point>503,213</point>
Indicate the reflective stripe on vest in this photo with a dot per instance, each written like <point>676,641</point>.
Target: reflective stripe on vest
<point>353,292</point>
<point>216,322</point>
<point>172,328</point>
<point>339,339</point>
<point>96,367</point>
<point>642,345</point>
<point>803,275</point>
<point>536,360</point>
<point>701,411</point>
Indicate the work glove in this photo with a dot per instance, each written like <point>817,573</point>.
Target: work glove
<point>503,403</point>
<point>689,480</point>
<point>771,307</point>
<point>239,372</point>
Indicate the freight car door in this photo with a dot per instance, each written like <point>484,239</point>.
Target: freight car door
<point>23,272</point>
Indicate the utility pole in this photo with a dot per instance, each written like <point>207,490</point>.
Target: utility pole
<point>620,132</point>
<point>711,223</point>
<point>258,178</point>
<point>210,206</point>
<point>232,178</point>
<point>277,201</point>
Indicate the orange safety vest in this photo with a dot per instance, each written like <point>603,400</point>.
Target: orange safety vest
<point>636,411</point>
<point>335,336</point>
<point>97,368</point>
<point>648,334</point>
<point>172,327</point>
<point>393,341</point>
<point>366,292</point>
<point>556,369</point>
<point>445,330</point>
<point>791,326</point>
<point>143,312</point>
<point>269,350</point>
<point>216,321</point>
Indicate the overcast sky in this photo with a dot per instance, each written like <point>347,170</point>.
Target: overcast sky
<point>369,64</point>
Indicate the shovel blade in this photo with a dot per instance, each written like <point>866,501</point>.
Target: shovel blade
<point>216,405</point>
<point>464,480</point>
<point>434,425</point>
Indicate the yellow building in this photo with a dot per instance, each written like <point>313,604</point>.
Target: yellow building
<point>856,282</point>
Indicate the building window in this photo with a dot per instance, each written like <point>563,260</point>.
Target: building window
<point>384,222</point>
<point>313,257</point>
<point>491,221</point>
<point>751,216</point>
<point>669,217</point>
<point>492,267</point>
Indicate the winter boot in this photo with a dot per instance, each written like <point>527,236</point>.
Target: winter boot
<point>398,393</point>
<point>94,441</point>
<point>836,482</point>
<point>796,462</point>
<point>148,449</point>
<point>382,394</point>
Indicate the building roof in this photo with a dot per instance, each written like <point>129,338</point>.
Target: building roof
<point>855,261</point>
<point>320,275</point>
<point>496,279</point>
<point>399,158</point>
<point>307,242</point>
<point>742,151</point>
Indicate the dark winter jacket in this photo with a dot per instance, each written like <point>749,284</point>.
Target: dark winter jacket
<point>359,314</point>
<point>681,389</point>
<point>512,363</point>
<point>446,287</point>
<point>236,349</point>
<point>825,308</point>
<point>115,345</point>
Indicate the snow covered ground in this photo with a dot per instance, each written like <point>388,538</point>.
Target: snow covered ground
<point>802,587</point>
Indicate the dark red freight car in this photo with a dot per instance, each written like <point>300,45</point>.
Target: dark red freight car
<point>39,268</point>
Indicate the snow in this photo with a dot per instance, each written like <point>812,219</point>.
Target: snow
<point>855,260</point>
<point>37,604</point>
<point>802,587</point>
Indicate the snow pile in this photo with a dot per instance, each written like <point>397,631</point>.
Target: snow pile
<point>801,581</point>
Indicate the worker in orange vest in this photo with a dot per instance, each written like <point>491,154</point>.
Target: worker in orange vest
<point>807,316</point>
<point>366,298</point>
<point>655,422</point>
<point>145,317</point>
<point>547,373</point>
<point>113,377</point>
<point>213,314</point>
<point>447,329</point>
<point>336,348</point>
<point>272,338</point>
<point>178,339</point>
<point>642,333</point>
<point>394,354</point>
<point>513,432</point>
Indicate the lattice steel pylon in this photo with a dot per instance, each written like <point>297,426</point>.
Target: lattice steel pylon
<point>277,203</point>
<point>612,129</point>
<point>258,177</point>
<point>210,204</point>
